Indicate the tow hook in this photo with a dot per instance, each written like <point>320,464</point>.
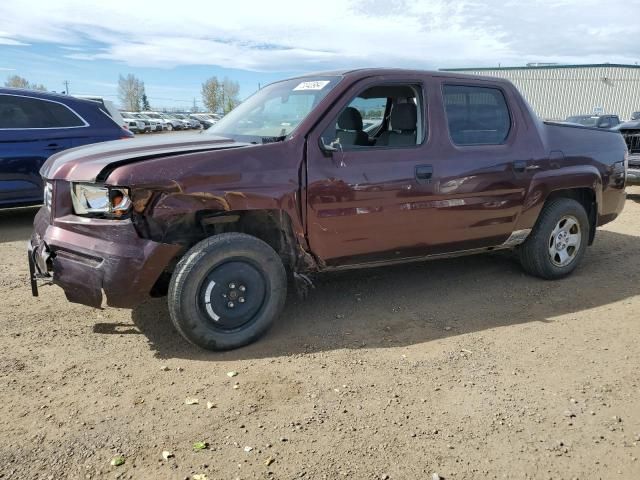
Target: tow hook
<point>38,270</point>
<point>303,285</point>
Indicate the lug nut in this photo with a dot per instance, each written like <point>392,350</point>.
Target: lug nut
<point>230,305</point>
<point>232,285</point>
<point>241,299</point>
<point>242,288</point>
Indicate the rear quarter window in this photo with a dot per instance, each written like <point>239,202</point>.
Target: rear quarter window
<point>476,115</point>
<point>27,112</point>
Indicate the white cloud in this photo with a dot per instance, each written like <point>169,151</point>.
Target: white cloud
<point>4,40</point>
<point>282,35</point>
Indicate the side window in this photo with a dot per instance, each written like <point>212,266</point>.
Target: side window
<point>380,116</point>
<point>26,112</point>
<point>476,115</point>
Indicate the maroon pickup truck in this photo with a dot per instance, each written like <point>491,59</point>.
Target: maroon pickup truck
<point>324,172</point>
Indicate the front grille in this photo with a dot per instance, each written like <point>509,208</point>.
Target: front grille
<point>632,137</point>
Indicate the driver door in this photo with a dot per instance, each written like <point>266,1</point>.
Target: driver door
<point>360,198</point>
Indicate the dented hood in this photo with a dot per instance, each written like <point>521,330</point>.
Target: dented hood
<point>92,163</point>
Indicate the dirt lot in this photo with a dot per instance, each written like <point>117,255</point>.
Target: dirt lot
<point>465,367</point>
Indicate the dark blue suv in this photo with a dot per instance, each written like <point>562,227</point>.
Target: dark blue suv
<point>33,126</point>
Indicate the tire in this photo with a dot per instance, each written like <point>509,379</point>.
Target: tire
<point>226,291</point>
<point>541,254</point>
<point>169,127</point>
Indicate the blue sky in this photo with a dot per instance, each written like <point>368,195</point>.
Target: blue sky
<point>174,47</point>
<point>47,63</point>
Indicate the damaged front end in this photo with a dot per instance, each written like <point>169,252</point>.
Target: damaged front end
<point>93,258</point>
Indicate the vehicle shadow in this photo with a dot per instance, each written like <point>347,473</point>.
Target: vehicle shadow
<point>16,224</point>
<point>115,329</point>
<point>420,302</point>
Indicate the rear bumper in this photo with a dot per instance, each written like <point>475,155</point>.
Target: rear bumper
<point>89,261</point>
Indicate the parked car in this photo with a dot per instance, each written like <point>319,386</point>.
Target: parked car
<point>132,123</point>
<point>204,119</point>
<point>635,116</point>
<point>155,125</point>
<point>189,122</point>
<point>184,124</point>
<point>35,125</point>
<point>167,123</point>
<point>289,184</point>
<point>108,107</point>
<point>143,124</point>
<point>631,133</point>
<point>597,121</point>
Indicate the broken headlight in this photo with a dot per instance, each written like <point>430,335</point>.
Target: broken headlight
<point>113,202</point>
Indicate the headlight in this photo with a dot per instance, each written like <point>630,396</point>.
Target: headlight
<point>48,191</point>
<point>99,199</point>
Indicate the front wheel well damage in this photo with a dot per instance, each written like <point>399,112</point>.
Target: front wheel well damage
<point>274,227</point>
<point>587,198</point>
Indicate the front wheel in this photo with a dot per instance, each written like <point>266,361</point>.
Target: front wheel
<point>226,291</point>
<point>558,240</point>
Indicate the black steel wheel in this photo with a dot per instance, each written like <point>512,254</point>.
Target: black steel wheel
<point>226,291</point>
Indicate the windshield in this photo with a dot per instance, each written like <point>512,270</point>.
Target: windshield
<point>153,115</point>
<point>275,111</point>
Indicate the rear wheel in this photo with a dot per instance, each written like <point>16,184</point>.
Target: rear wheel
<point>558,240</point>
<point>169,127</point>
<point>226,291</point>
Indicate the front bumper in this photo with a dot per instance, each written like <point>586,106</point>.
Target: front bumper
<point>92,257</point>
<point>633,176</point>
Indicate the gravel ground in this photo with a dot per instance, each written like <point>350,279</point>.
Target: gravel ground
<point>466,368</point>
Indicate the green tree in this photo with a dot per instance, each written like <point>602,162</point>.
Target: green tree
<point>211,94</point>
<point>145,101</point>
<point>230,95</point>
<point>220,95</point>
<point>16,81</point>
<point>130,90</point>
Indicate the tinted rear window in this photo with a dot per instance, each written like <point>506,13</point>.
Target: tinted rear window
<point>476,115</point>
<point>27,112</point>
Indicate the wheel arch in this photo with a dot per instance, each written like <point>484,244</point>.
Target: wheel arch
<point>273,226</point>
<point>580,183</point>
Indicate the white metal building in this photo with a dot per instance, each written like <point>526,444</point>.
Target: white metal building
<point>558,91</point>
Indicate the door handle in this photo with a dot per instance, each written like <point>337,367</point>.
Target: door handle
<point>54,146</point>
<point>424,173</point>
<point>521,166</point>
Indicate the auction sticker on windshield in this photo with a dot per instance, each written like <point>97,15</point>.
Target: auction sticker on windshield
<point>317,85</point>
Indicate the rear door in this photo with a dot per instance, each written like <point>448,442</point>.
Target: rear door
<point>31,130</point>
<point>487,154</point>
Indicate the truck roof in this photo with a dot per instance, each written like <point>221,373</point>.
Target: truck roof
<point>369,72</point>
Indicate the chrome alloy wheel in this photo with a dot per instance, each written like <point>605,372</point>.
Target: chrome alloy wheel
<point>565,240</point>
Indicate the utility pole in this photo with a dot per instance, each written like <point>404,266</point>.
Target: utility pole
<point>66,87</point>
